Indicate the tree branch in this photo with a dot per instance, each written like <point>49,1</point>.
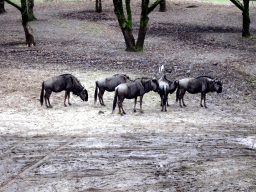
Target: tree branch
<point>13,4</point>
<point>153,6</point>
<point>118,9</point>
<point>129,14</point>
<point>238,4</point>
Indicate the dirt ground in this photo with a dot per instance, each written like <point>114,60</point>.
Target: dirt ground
<point>83,147</point>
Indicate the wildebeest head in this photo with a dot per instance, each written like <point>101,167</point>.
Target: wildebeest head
<point>154,85</point>
<point>126,78</point>
<point>149,84</point>
<point>173,86</point>
<point>215,85</point>
<point>84,95</point>
<point>218,86</point>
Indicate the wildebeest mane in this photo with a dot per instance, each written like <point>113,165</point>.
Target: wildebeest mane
<point>126,76</point>
<point>76,85</point>
<point>203,76</point>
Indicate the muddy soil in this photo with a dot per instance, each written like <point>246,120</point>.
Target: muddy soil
<point>84,147</point>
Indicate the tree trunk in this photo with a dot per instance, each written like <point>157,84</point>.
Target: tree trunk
<point>25,19</point>
<point>141,38</point>
<point>29,37</point>
<point>162,7</point>
<point>30,7</point>
<point>246,19</point>
<point>24,15</point>
<point>126,24</point>
<point>98,6</point>
<point>2,10</point>
<point>129,40</point>
<point>246,16</point>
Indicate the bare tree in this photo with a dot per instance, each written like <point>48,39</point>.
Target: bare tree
<point>126,23</point>
<point>25,19</point>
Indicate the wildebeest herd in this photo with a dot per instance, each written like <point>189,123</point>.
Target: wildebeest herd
<point>125,88</point>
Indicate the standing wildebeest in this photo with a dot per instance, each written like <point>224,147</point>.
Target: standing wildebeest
<point>133,89</point>
<point>203,84</point>
<point>59,83</point>
<point>108,84</point>
<point>165,87</point>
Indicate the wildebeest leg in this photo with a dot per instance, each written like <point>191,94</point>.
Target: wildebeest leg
<point>47,98</point>
<point>135,102</point>
<point>69,98</point>
<point>66,95</point>
<point>203,95</point>
<point>141,97</point>
<point>182,93</point>
<point>166,104</point>
<point>100,95</point>
<point>120,105</point>
<point>183,102</point>
<point>162,102</point>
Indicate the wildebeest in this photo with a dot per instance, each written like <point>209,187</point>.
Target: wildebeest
<point>165,87</point>
<point>66,82</point>
<point>203,84</point>
<point>108,84</point>
<point>133,89</point>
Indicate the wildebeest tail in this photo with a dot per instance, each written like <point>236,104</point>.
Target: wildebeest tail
<point>96,92</point>
<point>177,92</point>
<point>115,99</point>
<point>42,95</point>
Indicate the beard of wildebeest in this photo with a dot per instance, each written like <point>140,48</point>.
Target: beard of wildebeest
<point>84,95</point>
<point>218,86</point>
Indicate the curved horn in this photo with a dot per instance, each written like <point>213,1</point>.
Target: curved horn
<point>161,69</point>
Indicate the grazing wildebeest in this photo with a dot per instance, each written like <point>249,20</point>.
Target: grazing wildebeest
<point>66,82</point>
<point>165,87</point>
<point>133,89</point>
<point>203,84</point>
<point>108,84</point>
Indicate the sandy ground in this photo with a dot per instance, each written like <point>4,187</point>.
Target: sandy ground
<point>83,147</point>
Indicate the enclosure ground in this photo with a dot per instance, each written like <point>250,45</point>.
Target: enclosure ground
<point>84,147</point>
